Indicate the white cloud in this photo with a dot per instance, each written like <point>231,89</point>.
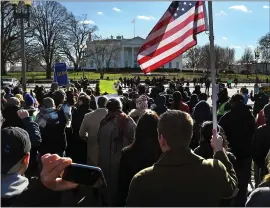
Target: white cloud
<point>142,17</point>
<point>87,22</point>
<point>236,46</point>
<point>224,38</point>
<point>221,13</point>
<point>250,46</point>
<point>266,7</point>
<point>100,13</point>
<point>116,9</point>
<point>242,8</point>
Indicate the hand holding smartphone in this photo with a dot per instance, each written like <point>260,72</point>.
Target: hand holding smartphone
<point>86,175</point>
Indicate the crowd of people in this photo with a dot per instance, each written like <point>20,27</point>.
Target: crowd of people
<point>155,146</point>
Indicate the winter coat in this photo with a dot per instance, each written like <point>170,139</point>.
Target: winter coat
<point>52,124</point>
<point>116,131</point>
<point>88,132</point>
<point>260,100</point>
<point>135,114</point>
<point>133,160</point>
<point>260,197</point>
<point>261,145</point>
<point>182,107</point>
<point>17,191</point>
<point>181,178</point>
<point>11,117</point>
<point>239,127</point>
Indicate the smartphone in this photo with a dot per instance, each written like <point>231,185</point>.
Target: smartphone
<point>86,175</point>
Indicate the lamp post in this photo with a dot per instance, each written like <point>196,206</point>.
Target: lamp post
<point>21,12</point>
<point>83,48</point>
<point>257,56</point>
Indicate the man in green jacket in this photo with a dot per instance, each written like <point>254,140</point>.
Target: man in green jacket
<point>180,177</point>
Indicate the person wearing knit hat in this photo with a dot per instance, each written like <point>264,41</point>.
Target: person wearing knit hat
<point>141,108</point>
<point>20,97</point>
<point>29,106</point>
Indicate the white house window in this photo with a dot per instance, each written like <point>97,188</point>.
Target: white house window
<point>126,63</point>
<point>177,65</point>
<point>170,65</point>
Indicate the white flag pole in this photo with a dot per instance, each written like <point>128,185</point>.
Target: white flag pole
<point>212,65</point>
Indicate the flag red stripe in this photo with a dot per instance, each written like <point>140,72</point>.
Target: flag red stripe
<point>169,58</point>
<point>165,20</point>
<point>171,32</point>
<point>169,46</point>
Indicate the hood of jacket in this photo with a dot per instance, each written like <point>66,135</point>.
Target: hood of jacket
<point>13,185</point>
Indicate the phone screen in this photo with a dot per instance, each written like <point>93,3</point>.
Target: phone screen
<point>84,174</point>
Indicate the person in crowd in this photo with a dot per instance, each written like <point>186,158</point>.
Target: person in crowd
<point>35,138</point>
<point>89,129</point>
<point>193,101</point>
<point>52,127</point>
<point>202,112</point>
<point>160,107</point>
<point>8,93</point>
<point>178,104</point>
<point>239,127</point>
<point>207,86</point>
<point>93,104</point>
<point>260,119</point>
<point>203,96</point>
<point>29,102</point>
<point>260,197</point>
<point>142,153</point>
<point>261,143</point>
<point>168,181</point>
<point>260,100</point>
<point>244,92</point>
<point>222,104</point>
<point>141,108</point>
<point>197,90</point>
<point>116,131</point>
<point>20,98</point>
<point>10,113</point>
<point>16,189</point>
<point>79,147</point>
<point>54,88</point>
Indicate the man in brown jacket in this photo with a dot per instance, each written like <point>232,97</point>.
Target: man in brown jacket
<point>180,177</point>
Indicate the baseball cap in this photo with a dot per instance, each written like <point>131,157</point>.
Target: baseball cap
<point>15,143</point>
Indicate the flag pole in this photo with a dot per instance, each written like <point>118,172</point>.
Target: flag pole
<point>212,65</point>
<point>134,27</point>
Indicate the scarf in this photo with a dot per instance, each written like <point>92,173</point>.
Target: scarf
<point>45,116</point>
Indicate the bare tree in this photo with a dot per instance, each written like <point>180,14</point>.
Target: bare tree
<point>49,20</point>
<point>103,52</point>
<point>247,59</point>
<point>264,45</point>
<point>192,57</point>
<point>73,45</point>
<point>10,36</point>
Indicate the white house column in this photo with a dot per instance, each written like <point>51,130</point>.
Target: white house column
<point>132,57</point>
<point>122,58</point>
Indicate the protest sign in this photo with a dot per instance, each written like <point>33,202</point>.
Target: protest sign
<point>60,74</point>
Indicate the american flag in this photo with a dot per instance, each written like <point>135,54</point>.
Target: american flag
<point>174,34</point>
<point>133,21</point>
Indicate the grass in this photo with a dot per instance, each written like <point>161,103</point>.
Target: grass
<point>107,86</point>
<point>116,76</point>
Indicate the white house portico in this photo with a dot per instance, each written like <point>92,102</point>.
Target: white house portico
<point>127,57</point>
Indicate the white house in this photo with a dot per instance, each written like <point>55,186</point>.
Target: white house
<point>128,54</point>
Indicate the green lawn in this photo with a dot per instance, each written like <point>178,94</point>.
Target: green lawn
<point>116,76</point>
<point>107,86</point>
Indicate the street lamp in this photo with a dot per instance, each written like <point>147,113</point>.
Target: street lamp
<point>21,12</point>
<point>257,56</point>
<point>83,47</point>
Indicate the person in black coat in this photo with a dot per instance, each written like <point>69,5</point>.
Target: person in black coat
<point>206,151</point>
<point>10,113</point>
<point>160,107</point>
<point>261,144</point>
<point>239,126</point>
<point>142,153</point>
<point>260,100</point>
<point>78,147</point>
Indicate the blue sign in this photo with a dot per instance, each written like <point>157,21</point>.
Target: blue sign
<point>60,74</point>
